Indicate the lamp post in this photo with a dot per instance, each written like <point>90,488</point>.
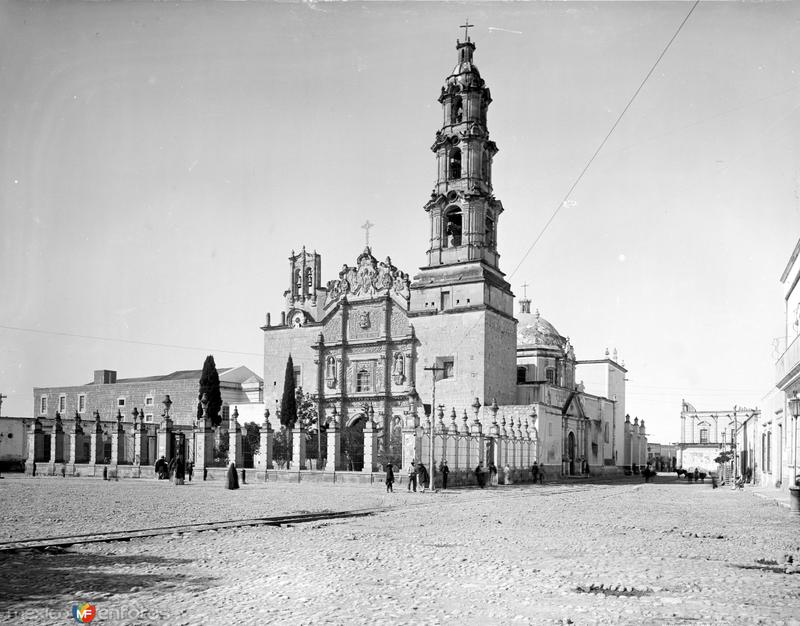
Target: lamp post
<point>433,369</point>
<point>794,409</point>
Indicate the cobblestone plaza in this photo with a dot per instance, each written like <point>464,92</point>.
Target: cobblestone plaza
<point>669,552</point>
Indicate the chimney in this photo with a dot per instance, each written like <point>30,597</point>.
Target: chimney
<point>105,377</point>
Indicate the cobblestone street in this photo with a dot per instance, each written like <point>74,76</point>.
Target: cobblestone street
<point>627,553</point>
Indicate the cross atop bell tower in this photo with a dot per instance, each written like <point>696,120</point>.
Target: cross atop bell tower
<point>465,48</point>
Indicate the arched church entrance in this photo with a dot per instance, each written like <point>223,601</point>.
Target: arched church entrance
<point>353,443</point>
<point>571,452</point>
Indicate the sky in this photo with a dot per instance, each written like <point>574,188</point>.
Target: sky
<point>159,162</point>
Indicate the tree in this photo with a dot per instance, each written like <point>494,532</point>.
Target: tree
<point>307,411</point>
<point>209,384</point>
<point>308,417</point>
<point>723,458</point>
<point>288,400</point>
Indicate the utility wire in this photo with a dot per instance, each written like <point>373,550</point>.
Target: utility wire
<point>594,156</point>
<point>605,139</point>
<point>130,341</point>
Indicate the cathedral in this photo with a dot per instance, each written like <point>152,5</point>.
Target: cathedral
<point>375,346</point>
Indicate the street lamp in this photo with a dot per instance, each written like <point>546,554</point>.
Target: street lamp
<point>794,409</point>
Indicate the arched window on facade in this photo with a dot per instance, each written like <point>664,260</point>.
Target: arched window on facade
<point>454,164</point>
<point>363,380</point>
<point>704,435</point>
<point>522,374</point>
<point>550,374</point>
<point>309,278</point>
<point>485,167</point>
<point>488,233</point>
<point>456,110</point>
<point>298,282</point>
<point>452,227</point>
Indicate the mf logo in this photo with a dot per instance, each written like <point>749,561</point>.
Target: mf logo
<point>84,613</point>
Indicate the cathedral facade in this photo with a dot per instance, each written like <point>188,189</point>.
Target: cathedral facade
<point>373,345</point>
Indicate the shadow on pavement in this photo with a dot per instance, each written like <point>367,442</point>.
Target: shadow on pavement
<point>40,576</point>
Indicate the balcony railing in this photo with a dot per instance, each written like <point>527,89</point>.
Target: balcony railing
<point>787,363</point>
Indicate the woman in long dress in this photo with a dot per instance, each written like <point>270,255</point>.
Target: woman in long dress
<point>180,470</point>
<point>232,481</point>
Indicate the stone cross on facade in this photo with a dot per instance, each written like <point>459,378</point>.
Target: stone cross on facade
<point>366,226</point>
<point>525,290</point>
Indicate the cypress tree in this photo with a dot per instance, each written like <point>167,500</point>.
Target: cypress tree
<point>288,400</point>
<point>209,384</point>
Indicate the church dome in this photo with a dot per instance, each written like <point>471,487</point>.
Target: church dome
<point>533,331</point>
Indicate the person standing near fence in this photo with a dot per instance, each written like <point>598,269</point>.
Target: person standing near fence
<point>422,476</point>
<point>445,472</point>
<point>389,478</point>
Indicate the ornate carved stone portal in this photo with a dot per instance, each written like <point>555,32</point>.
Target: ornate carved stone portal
<point>368,279</point>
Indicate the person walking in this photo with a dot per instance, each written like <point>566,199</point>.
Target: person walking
<point>507,474</point>
<point>445,472</point>
<point>480,475</point>
<point>412,477</point>
<point>492,474</point>
<point>189,470</point>
<point>232,478</point>
<point>422,476</point>
<point>535,472</point>
<point>389,478</point>
<point>171,469</point>
<point>161,468</point>
<point>180,470</point>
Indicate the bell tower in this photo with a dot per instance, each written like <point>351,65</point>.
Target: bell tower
<point>462,212</point>
<point>461,304</point>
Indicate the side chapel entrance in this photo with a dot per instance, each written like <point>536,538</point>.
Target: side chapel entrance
<point>571,452</point>
<point>353,443</point>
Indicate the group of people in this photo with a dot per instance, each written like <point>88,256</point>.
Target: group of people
<point>176,470</point>
<point>418,475</point>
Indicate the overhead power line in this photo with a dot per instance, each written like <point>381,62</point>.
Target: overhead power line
<point>129,341</point>
<point>605,139</point>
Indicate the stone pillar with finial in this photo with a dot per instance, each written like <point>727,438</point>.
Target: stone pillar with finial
<point>450,453</point>
<point>35,445</point>
<point>266,437</point>
<point>75,443</point>
<point>412,443</point>
<point>298,446</point>
<point>117,441</point>
<point>334,441</point>
<point>235,447</point>
<point>96,440</point>
<point>56,443</point>
<point>139,439</point>
<point>204,442</point>
<point>476,444</point>
<point>165,431</point>
<point>370,443</point>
